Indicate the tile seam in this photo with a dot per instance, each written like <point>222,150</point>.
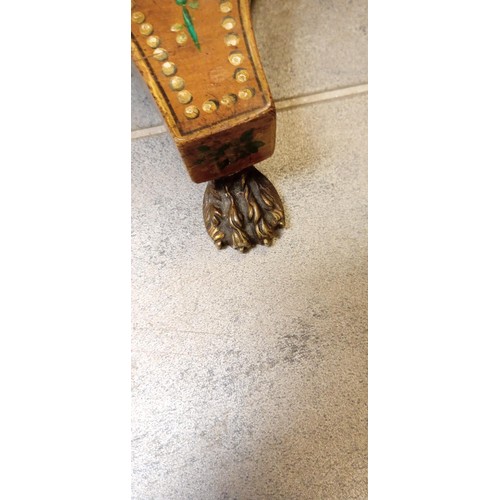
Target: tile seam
<point>328,95</point>
<point>281,105</point>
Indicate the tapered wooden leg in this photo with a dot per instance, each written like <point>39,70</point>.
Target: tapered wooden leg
<point>200,61</point>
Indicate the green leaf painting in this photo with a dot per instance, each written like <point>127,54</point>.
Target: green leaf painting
<point>188,21</point>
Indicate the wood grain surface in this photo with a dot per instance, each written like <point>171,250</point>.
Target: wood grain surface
<point>231,138</point>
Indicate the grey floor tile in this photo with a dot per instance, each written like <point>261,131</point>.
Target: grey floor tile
<point>249,376</point>
<point>309,46</point>
<point>144,110</point>
<point>306,46</point>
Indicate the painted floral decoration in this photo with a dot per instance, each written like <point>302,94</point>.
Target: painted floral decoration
<point>230,152</point>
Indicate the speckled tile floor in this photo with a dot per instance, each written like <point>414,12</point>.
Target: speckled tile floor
<point>250,371</point>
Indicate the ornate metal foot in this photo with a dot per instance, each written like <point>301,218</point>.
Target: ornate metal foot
<point>242,210</point>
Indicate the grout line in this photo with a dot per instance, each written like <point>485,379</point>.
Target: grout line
<point>146,132</point>
<point>320,97</point>
<point>280,105</point>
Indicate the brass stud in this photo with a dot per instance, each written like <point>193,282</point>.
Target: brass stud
<point>236,58</point>
<point>241,75</point>
<point>169,68</point>
<point>181,38</point>
<point>176,83</point>
<point>160,54</point>
<point>192,112</point>
<point>246,94</point>
<point>228,99</point>
<point>185,97</point>
<point>232,39</point>
<point>176,27</point>
<point>228,23</point>
<point>210,106</point>
<point>146,29</point>
<point>153,41</point>
<point>226,7</point>
<point>138,17</point>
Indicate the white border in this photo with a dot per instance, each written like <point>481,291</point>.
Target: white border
<point>434,251</point>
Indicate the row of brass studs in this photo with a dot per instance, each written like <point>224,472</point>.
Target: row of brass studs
<point>184,96</point>
<point>169,69</point>
<point>235,57</point>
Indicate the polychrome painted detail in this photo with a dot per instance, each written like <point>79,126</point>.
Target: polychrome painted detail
<point>188,22</point>
<point>229,152</point>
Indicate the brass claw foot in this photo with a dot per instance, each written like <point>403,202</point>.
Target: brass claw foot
<point>242,210</point>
